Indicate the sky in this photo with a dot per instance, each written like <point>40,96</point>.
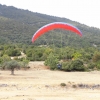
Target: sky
<point>83,11</point>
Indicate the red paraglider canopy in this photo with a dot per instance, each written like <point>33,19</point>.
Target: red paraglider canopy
<point>55,25</point>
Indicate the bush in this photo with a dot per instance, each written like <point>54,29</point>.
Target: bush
<point>65,66</point>
<point>91,66</point>
<point>4,58</point>
<point>74,65</point>
<point>24,63</point>
<point>51,61</point>
<point>62,84</point>
<point>74,86</point>
<point>13,52</point>
<point>98,65</point>
<point>96,57</point>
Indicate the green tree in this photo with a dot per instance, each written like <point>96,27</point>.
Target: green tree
<point>11,65</point>
<point>51,61</point>
<point>5,58</point>
<point>74,65</point>
<point>77,65</point>
<point>77,55</point>
<point>13,52</point>
<point>24,63</point>
<point>96,57</point>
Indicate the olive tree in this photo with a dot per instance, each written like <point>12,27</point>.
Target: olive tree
<point>11,65</point>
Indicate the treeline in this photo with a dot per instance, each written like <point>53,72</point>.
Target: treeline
<point>71,59</point>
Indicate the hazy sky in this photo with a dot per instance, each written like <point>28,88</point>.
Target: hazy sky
<point>83,11</point>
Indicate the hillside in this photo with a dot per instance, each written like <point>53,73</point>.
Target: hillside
<point>18,26</point>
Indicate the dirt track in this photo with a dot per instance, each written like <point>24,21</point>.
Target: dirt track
<point>39,83</point>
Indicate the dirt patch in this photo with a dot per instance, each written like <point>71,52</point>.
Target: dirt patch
<point>38,65</point>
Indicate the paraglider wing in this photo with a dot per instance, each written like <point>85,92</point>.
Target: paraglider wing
<point>55,25</point>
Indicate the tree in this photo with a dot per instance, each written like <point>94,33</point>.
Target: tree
<point>77,55</point>
<point>74,65</point>
<point>24,64</point>
<point>96,57</point>
<point>5,58</point>
<point>13,52</point>
<point>11,65</point>
<point>51,61</point>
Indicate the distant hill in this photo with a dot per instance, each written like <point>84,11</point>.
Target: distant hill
<point>18,26</point>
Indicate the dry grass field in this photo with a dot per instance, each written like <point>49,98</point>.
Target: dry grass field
<point>39,83</point>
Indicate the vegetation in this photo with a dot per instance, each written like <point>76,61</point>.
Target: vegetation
<point>11,65</point>
<point>71,59</point>
<point>63,84</point>
<point>74,65</point>
<point>51,61</point>
<point>17,27</point>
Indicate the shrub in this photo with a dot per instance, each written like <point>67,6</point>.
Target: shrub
<point>74,86</point>
<point>65,66</point>
<point>51,61</point>
<point>63,84</point>
<point>13,52</point>
<point>96,57</point>
<point>98,65</point>
<point>91,66</point>
<point>74,65</point>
